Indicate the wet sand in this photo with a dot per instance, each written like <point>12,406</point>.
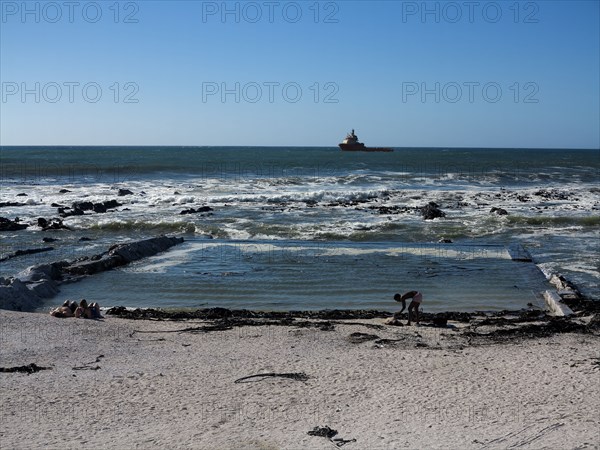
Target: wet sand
<point>120,383</point>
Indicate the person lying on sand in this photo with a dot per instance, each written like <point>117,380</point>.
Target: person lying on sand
<point>66,310</point>
<point>417,299</point>
<point>88,311</point>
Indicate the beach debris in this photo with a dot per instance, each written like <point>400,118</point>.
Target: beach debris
<point>329,434</point>
<point>382,342</point>
<point>229,323</point>
<point>223,313</point>
<point>298,376</point>
<point>323,432</point>
<point>357,338</point>
<point>28,369</point>
<point>26,252</point>
<point>89,366</point>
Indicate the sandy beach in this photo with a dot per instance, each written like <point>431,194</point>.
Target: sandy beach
<point>119,383</point>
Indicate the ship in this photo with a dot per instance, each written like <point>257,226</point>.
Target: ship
<point>351,144</point>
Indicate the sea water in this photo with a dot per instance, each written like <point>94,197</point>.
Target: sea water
<point>312,228</point>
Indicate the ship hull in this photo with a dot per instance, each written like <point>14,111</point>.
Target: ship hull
<point>362,148</point>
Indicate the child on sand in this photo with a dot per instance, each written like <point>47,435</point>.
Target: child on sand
<point>417,299</point>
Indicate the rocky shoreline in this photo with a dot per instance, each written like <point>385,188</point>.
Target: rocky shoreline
<point>27,290</point>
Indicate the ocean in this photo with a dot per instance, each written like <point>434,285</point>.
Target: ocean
<point>296,228</point>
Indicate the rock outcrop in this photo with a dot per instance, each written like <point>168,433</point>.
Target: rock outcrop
<point>11,225</point>
<point>79,208</point>
<point>432,211</point>
<point>28,289</point>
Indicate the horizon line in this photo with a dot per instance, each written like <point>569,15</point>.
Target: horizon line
<point>292,146</point>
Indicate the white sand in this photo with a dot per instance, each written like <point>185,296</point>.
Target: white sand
<point>167,390</point>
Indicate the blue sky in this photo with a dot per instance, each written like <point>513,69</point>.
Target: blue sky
<point>501,74</point>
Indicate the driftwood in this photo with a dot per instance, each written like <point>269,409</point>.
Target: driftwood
<point>88,366</point>
<point>29,369</point>
<point>299,376</point>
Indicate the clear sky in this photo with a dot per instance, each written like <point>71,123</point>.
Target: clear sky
<point>439,74</point>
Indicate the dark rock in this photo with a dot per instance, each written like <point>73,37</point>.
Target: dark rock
<point>56,205</point>
<point>440,321</point>
<point>85,239</point>
<point>499,211</point>
<point>389,209</point>
<point>63,191</point>
<point>445,241</point>
<point>75,212</point>
<point>78,208</point>
<point>594,324</point>
<point>83,206</point>
<point>99,208</point>
<point>357,338</point>
<point>49,239</point>
<point>11,225</point>
<point>22,195</point>
<point>202,209</point>
<point>109,204</point>
<point>432,211</point>
<point>552,195</point>
<point>119,255</point>
<point>52,224</point>
<point>123,192</point>
<point>10,204</point>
